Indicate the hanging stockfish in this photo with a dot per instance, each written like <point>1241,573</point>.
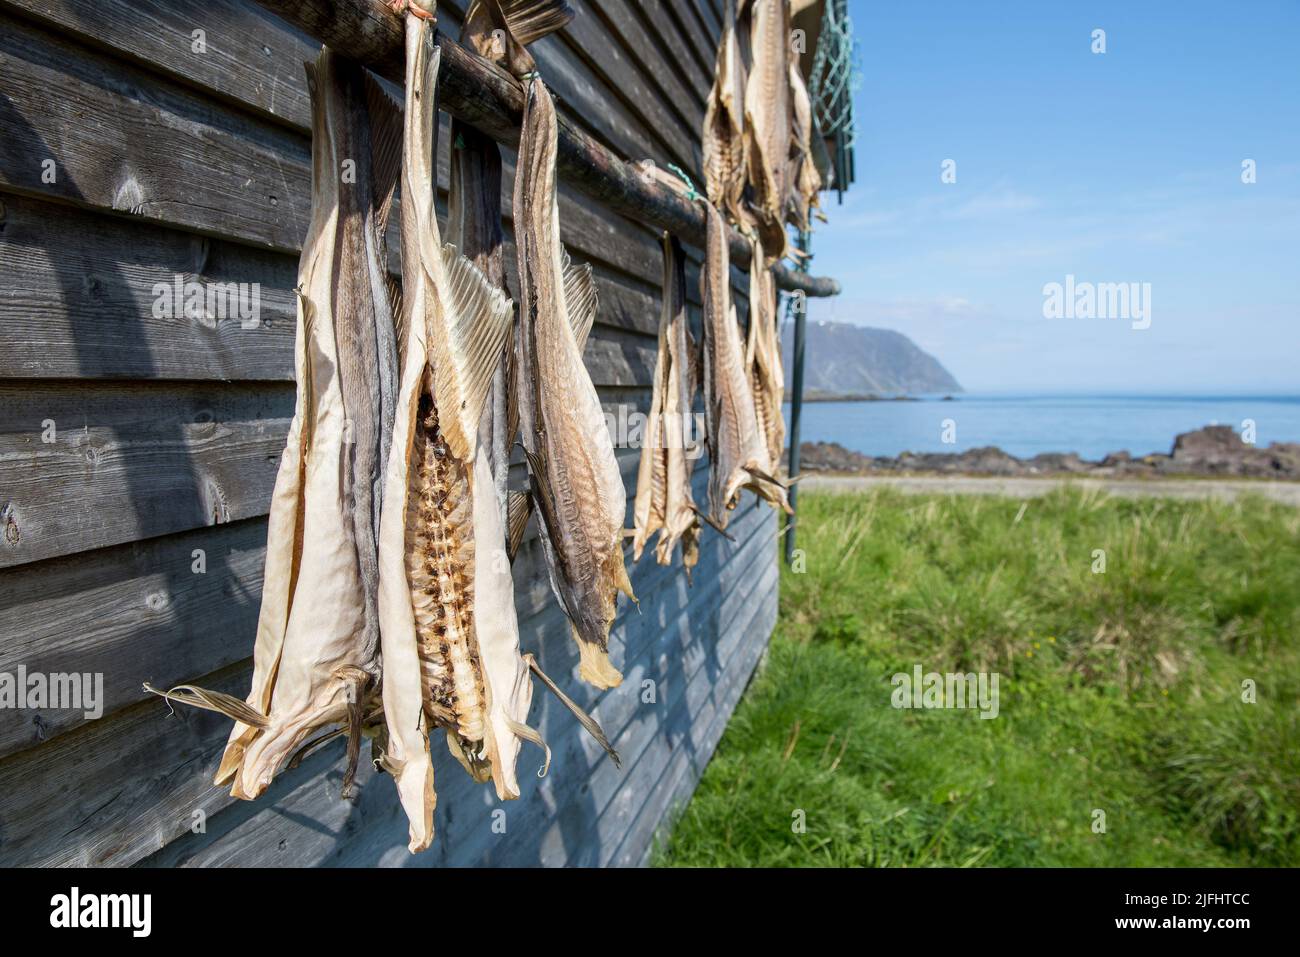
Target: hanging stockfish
<point>767,122</point>
<point>737,446</point>
<point>316,659</point>
<point>763,356</point>
<point>724,123</point>
<point>450,636</point>
<point>497,30</point>
<point>664,502</point>
<point>474,194</point>
<point>805,181</point>
<point>573,473</point>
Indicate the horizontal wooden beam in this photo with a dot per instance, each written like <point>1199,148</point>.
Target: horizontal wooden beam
<point>490,99</point>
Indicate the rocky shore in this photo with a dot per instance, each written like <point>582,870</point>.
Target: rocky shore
<point>1215,450</point>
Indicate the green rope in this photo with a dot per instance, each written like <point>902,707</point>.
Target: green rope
<point>692,194</point>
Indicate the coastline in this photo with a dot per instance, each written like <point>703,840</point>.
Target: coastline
<point>1215,451</point>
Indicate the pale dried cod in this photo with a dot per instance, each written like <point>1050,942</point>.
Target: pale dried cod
<point>768,121</point>
<point>316,659</point>
<point>725,145</point>
<point>573,473</point>
<point>664,502</point>
<point>450,636</point>
<point>763,357</point>
<point>737,446</point>
<point>805,181</point>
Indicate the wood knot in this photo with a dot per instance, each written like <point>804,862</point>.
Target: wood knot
<point>13,535</point>
<point>129,197</point>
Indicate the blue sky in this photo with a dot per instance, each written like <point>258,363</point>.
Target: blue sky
<point>1115,167</point>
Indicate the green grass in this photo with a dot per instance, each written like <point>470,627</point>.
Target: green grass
<point>1119,691</point>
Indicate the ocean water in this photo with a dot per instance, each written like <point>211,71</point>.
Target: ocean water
<point>1025,425</point>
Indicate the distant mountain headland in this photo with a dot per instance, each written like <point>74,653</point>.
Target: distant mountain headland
<point>844,361</point>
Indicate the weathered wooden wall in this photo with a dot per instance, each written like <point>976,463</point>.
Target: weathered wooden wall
<point>168,432</point>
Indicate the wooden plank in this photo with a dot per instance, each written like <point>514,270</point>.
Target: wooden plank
<point>679,769</point>
<point>113,791</point>
<point>201,167</point>
<point>77,297</point>
<point>663,55</point>
<point>127,462</point>
<point>593,42</point>
<point>584,96</point>
<point>247,57</point>
<point>696,675</point>
<point>255,60</point>
<point>142,611</point>
<point>114,138</point>
<point>688,25</point>
<point>161,610</point>
<point>145,611</point>
<point>487,98</point>
<point>708,18</point>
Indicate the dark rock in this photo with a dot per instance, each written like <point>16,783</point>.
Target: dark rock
<point>1214,450</point>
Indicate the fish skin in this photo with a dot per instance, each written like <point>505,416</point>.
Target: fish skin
<point>767,122</point>
<point>725,145</point>
<point>805,181</point>
<point>573,473</point>
<point>763,357</point>
<point>449,631</point>
<point>316,655</point>
<point>663,496</point>
<point>737,447</point>
<point>364,341</point>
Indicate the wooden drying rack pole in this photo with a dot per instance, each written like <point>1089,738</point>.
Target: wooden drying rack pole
<point>491,100</point>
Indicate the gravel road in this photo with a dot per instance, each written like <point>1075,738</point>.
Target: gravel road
<point>1287,492</point>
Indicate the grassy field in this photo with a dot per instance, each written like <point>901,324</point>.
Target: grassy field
<point>1122,737</point>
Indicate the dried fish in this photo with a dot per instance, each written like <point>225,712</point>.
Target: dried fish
<point>497,31</point>
<point>737,446</point>
<point>664,502</point>
<point>763,356</point>
<point>316,659</point>
<point>805,181</point>
<point>573,473</point>
<point>767,122</point>
<point>725,145</point>
<point>450,636</point>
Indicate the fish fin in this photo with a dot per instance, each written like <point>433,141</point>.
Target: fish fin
<point>594,666</point>
<point>543,500</point>
<point>464,350</point>
<point>385,147</point>
<point>519,506</point>
<point>708,520</point>
<point>579,299</point>
<point>592,727</point>
<point>394,285</point>
<point>530,20</point>
<point>535,736</point>
<point>218,701</point>
<point>621,581</point>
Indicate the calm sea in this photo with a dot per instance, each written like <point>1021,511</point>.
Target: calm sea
<point>1025,425</point>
